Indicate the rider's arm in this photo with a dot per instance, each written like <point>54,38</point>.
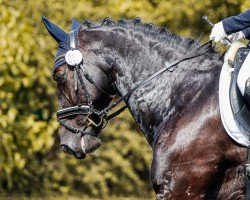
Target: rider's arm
<point>237,23</point>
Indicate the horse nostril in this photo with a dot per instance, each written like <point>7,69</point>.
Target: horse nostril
<point>66,149</point>
<point>79,155</point>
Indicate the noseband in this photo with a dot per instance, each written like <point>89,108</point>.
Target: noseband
<point>74,59</point>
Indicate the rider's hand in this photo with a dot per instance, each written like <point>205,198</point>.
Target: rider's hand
<point>218,32</point>
<point>234,37</point>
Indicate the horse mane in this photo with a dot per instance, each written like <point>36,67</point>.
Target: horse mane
<point>162,34</point>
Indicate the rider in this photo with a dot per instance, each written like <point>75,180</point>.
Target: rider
<point>236,28</point>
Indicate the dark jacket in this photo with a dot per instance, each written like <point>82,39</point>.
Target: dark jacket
<point>237,23</point>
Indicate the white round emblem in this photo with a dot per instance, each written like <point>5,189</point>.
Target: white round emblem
<point>73,57</point>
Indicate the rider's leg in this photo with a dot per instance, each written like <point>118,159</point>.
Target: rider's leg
<point>244,75</point>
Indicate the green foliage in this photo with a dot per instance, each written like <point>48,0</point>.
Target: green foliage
<point>30,157</point>
<point>185,16</point>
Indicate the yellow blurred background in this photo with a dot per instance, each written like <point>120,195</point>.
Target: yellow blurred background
<point>32,166</point>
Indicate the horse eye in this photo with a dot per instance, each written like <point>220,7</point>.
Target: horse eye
<point>59,75</point>
<point>60,78</point>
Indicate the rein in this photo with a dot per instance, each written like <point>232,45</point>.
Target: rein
<point>169,67</point>
<point>74,58</point>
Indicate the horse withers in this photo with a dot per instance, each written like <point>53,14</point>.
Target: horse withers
<point>178,112</point>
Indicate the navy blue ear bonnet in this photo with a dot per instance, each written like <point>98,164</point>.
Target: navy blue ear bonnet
<point>62,38</point>
<point>63,47</point>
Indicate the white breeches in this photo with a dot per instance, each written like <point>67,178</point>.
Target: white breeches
<point>244,74</point>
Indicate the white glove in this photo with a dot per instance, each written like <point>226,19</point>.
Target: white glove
<point>218,32</point>
<point>233,37</point>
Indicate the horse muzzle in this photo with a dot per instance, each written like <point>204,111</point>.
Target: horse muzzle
<point>77,144</point>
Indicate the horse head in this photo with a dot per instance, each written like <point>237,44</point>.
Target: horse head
<point>84,89</point>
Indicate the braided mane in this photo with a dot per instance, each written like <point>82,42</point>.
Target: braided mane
<point>162,34</point>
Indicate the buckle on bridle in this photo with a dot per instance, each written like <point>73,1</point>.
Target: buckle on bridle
<point>92,123</point>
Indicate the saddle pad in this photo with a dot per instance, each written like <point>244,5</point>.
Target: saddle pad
<point>237,132</point>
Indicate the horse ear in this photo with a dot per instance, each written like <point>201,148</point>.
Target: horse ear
<point>58,34</point>
<point>75,24</point>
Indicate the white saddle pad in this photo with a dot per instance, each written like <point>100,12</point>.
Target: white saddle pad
<point>234,130</point>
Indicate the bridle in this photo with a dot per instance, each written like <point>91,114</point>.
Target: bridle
<point>74,59</point>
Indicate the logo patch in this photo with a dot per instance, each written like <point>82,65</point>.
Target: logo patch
<point>73,57</point>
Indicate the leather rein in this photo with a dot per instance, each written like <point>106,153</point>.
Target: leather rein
<point>74,59</point>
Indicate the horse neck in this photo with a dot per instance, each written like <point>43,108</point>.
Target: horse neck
<point>136,57</point>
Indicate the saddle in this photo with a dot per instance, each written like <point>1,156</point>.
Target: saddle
<point>234,109</point>
<point>240,105</point>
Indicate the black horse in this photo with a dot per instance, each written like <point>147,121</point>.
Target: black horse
<point>178,112</point>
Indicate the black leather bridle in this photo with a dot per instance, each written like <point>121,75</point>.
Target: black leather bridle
<point>85,110</point>
<point>88,110</point>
